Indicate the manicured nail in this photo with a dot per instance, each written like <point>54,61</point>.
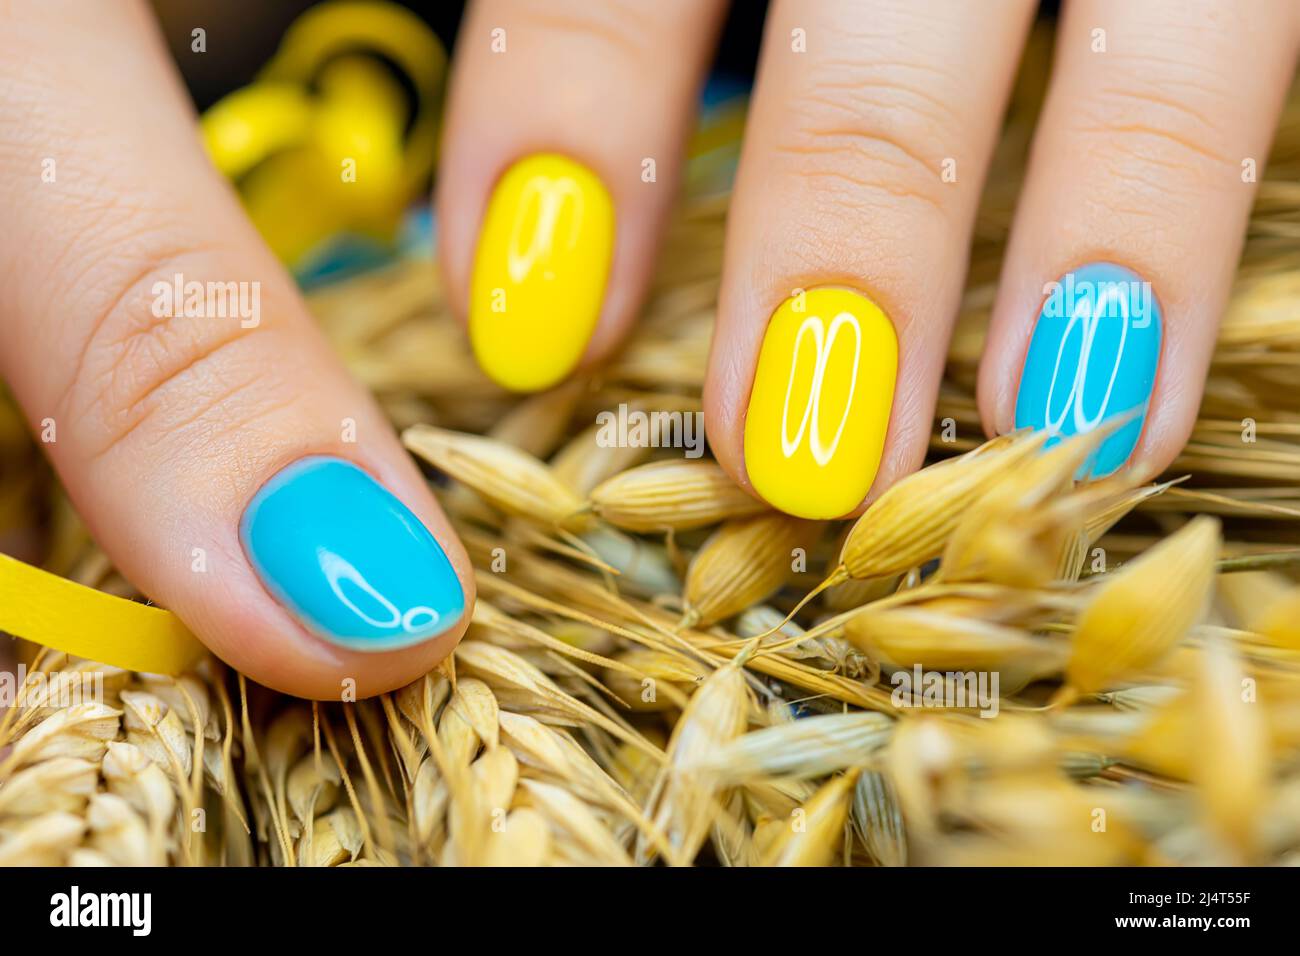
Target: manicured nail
<point>1093,356</point>
<point>348,559</point>
<point>819,411</point>
<point>540,273</point>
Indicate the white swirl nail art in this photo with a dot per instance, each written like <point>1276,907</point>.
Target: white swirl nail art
<point>1089,316</point>
<point>338,570</point>
<point>823,342</point>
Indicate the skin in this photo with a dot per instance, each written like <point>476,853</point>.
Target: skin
<point>1142,159</point>
<point>168,427</point>
<point>839,181</point>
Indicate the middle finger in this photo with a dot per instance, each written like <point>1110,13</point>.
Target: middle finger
<point>869,137</point>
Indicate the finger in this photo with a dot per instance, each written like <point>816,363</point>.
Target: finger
<point>868,141</point>
<point>565,127</point>
<point>212,442</point>
<point>1131,219</point>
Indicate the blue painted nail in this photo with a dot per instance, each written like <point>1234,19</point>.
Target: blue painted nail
<point>1093,356</point>
<point>348,559</point>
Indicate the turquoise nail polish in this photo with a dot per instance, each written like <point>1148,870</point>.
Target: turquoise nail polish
<point>348,559</point>
<point>1093,356</point>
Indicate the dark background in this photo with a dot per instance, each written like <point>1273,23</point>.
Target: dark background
<point>243,34</point>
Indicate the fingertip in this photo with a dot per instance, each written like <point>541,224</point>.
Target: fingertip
<point>271,648</point>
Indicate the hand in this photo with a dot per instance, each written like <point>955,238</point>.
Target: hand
<point>216,448</point>
<point>869,136</point>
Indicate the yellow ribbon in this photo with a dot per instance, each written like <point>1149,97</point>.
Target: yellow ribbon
<point>324,141</point>
<point>82,621</point>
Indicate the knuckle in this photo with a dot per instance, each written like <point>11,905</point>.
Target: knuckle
<point>1142,124</point>
<point>865,144</point>
<point>170,346</point>
<point>623,27</point>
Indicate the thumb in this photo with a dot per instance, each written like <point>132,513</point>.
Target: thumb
<point>202,426</point>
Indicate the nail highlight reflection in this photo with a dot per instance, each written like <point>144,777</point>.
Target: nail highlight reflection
<point>347,558</point>
<point>543,259</point>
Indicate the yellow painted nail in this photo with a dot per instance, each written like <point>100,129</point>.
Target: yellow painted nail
<point>819,410</point>
<point>539,278</point>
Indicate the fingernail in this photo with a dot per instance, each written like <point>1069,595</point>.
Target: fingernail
<point>819,410</point>
<point>540,272</point>
<point>347,559</point>
<point>1093,356</point>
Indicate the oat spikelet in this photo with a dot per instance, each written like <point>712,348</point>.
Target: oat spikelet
<point>141,783</point>
<point>921,754</point>
<point>801,749</point>
<point>477,706</point>
<point>458,742</point>
<point>520,686</point>
<point>665,670</point>
<point>336,839</point>
<point>493,779</point>
<point>917,636</point>
<point>511,479</point>
<point>82,731</point>
<point>1279,620</point>
<point>157,730</point>
<point>312,790</point>
<point>878,820</point>
<point>585,461</point>
<point>118,832</point>
<point>545,751</point>
<point>1163,738</point>
<point>570,816</point>
<point>855,593</point>
<point>743,563</point>
<point>816,830</point>
<point>1009,535</point>
<point>732,835</point>
<point>643,566</point>
<point>420,700</point>
<point>914,519</point>
<point>538,424</point>
<point>44,841</point>
<point>911,522</point>
<point>1231,756</point>
<point>672,495</point>
<point>542,748</point>
<point>1142,610</point>
<point>524,840</point>
<point>687,798</point>
<point>429,796</point>
<point>63,784</point>
<point>1103,504</point>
